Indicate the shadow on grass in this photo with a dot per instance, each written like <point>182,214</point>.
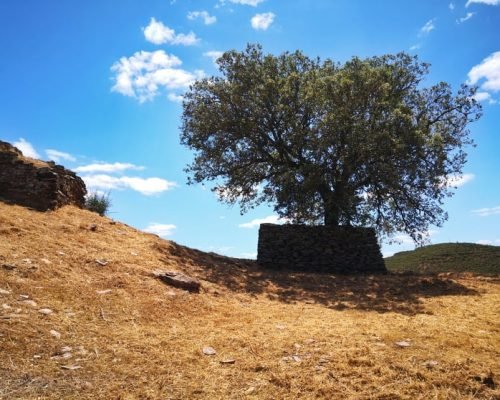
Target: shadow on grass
<point>392,292</point>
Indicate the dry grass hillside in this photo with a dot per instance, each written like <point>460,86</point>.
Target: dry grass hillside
<point>72,327</point>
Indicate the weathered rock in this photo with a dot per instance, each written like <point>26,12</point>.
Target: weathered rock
<point>70,367</point>
<point>209,351</point>
<point>179,280</point>
<point>37,184</point>
<point>45,311</point>
<point>105,291</point>
<point>56,334</point>
<point>327,249</point>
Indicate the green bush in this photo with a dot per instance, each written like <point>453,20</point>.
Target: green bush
<point>98,203</point>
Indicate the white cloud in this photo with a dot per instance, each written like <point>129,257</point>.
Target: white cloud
<point>428,27</point>
<point>486,212</point>
<point>271,219</point>
<point>176,98</point>
<point>489,70</point>
<point>262,21</point>
<point>142,75</point>
<point>158,33</point>
<point>405,239</point>
<point>108,167</point>
<point>146,186</point>
<point>451,6</point>
<point>26,148</point>
<point>468,16</point>
<point>160,229</point>
<point>207,18</point>
<point>57,156</point>
<point>416,46</point>
<point>224,250</point>
<point>482,96</point>
<point>213,54</point>
<point>251,256</point>
<point>253,3</point>
<point>458,180</point>
<point>487,2</point>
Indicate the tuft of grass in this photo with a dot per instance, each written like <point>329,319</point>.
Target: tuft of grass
<point>448,257</point>
<point>98,203</point>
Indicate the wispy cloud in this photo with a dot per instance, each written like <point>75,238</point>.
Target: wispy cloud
<point>26,148</point>
<point>142,75</point>
<point>457,180</point>
<point>486,212</point>
<point>489,242</point>
<point>468,16</point>
<point>158,33</point>
<point>262,21</point>
<point>108,167</point>
<point>145,186</point>
<point>451,6</point>
<point>204,15</point>
<point>428,27</point>
<point>271,219</point>
<point>162,230</point>
<point>487,2</point>
<point>58,156</point>
<point>253,3</point>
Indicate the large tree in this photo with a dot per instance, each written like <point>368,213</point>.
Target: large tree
<point>359,143</point>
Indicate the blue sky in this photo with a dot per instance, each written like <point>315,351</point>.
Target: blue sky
<point>95,85</point>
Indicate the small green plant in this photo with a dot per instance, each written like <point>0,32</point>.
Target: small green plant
<point>98,203</point>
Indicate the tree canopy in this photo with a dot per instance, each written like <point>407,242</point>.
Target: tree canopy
<point>360,143</point>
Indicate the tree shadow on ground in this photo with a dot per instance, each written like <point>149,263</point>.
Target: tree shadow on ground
<point>392,292</point>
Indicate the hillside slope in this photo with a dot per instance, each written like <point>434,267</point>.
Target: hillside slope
<point>448,257</point>
<point>83,317</point>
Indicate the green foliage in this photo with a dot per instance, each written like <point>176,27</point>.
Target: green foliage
<point>98,203</point>
<point>448,257</point>
<point>355,144</point>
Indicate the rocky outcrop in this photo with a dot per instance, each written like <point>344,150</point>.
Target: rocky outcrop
<point>178,280</point>
<point>37,184</point>
<point>339,249</point>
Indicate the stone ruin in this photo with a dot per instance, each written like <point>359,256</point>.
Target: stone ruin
<point>37,184</point>
<point>339,249</point>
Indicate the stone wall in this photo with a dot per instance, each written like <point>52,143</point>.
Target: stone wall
<point>319,249</point>
<point>37,184</point>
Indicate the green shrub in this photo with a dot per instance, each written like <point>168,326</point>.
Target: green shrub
<point>98,203</point>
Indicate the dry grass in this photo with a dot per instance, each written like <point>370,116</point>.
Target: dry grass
<point>144,340</point>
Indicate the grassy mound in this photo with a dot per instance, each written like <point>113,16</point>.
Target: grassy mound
<point>82,316</point>
<point>448,257</point>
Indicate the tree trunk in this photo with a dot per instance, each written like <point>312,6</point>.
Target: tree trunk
<point>331,207</point>
<point>331,215</point>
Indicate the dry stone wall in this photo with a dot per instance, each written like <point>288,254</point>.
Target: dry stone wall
<point>37,184</point>
<point>319,249</point>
